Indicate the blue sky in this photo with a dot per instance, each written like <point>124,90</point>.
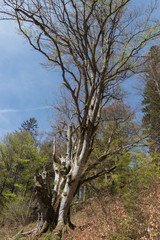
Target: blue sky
<point>26,88</point>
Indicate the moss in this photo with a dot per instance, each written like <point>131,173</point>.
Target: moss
<point>57,233</point>
<point>47,236</point>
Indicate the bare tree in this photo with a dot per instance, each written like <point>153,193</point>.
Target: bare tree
<point>96,44</point>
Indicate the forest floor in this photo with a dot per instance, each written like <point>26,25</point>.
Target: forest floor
<point>113,218</point>
<point>108,217</point>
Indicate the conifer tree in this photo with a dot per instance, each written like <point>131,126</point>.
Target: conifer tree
<point>96,44</point>
<point>151,98</point>
<point>30,126</point>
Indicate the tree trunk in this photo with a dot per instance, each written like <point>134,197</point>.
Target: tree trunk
<point>54,209</point>
<point>46,212</point>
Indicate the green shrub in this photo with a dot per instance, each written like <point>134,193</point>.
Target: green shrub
<point>18,212</point>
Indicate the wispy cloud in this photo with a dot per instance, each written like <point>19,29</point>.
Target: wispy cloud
<point>23,110</point>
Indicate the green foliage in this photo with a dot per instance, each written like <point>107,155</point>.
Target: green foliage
<point>19,160</point>
<point>30,126</point>
<point>138,197</point>
<point>151,98</point>
<point>116,131</point>
<point>18,212</point>
<point>119,179</point>
<point>144,170</point>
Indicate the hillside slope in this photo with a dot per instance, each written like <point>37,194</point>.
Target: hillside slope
<point>112,218</point>
<point>115,218</point>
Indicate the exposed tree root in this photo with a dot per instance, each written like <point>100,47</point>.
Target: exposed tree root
<point>15,236</point>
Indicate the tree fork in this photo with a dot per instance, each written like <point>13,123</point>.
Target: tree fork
<point>96,45</point>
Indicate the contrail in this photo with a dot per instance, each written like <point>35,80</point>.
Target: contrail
<point>23,110</point>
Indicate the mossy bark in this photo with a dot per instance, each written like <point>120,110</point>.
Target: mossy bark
<point>49,207</point>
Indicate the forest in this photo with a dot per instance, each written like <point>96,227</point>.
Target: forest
<point>96,174</point>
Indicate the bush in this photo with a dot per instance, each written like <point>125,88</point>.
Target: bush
<point>18,212</point>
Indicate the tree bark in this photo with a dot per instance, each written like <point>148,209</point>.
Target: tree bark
<point>93,44</point>
<point>54,206</point>
<point>46,212</point>
<point>54,210</point>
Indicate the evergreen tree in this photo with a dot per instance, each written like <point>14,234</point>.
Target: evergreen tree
<point>151,98</point>
<point>31,126</point>
<point>96,45</point>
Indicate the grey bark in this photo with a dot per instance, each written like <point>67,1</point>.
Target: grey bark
<point>96,45</point>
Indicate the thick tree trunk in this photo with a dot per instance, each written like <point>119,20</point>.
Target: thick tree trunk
<point>54,210</point>
<point>43,194</point>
